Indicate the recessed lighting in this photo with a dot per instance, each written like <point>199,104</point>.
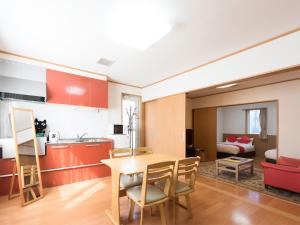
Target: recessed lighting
<point>138,25</point>
<point>227,85</point>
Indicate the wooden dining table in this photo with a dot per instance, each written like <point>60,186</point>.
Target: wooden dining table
<point>128,166</point>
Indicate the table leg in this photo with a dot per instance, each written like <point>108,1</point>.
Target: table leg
<point>236,173</point>
<point>114,212</point>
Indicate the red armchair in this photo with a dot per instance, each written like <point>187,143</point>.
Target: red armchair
<point>285,174</point>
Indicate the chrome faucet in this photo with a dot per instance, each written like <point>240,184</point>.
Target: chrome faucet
<point>80,137</point>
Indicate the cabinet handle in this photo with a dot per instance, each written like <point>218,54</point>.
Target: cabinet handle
<point>94,145</point>
<point>60,146</point>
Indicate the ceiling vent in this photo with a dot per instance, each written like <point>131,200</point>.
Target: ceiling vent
<point>105,62</point>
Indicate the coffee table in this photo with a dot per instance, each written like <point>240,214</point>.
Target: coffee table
<point>235,165</point>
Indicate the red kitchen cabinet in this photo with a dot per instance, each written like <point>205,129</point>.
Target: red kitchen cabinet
<point>98,93</point>
<point>57,83</point>
<point>90,172</point>
<point>70,89</point>
<point>86,154</point>
<point>58,156</point>
<point>60,164</point>
<point>105,171</point>
<point>56,178</point>
<point>5,184</point>
<point>6,166</point>
<point>78,89</point>
<point>105,147</point>
<point>90,153</point>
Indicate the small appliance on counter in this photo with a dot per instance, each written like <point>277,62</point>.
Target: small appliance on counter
<point>53,136</point>
<point>119,135</point>
<point>116,129</point>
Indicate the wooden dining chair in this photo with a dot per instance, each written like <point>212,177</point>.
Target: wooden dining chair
<point>126,181</point>
<point>147,194</point>
<point>184,181</point>
<point>120,152</point>
<point>143,150</point>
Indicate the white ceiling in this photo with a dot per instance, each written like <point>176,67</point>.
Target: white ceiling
<point>75,33</point>
<point>266,79</point>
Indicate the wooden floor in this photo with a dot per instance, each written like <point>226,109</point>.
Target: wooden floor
<point>213,203</point>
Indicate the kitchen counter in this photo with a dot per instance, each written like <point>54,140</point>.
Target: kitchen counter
<point>65,162</point>
<point>83,141</point>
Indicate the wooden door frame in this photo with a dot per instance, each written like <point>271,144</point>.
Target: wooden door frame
<point>246,103</point>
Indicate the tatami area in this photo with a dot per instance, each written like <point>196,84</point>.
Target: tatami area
<point>213,202</point>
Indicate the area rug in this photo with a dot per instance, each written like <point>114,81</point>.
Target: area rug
<point>253,181</point>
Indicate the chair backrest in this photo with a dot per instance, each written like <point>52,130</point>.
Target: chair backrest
<point>117,153</point>
<point>157,172</point>
<point>143,150</point>
<point>187,168</point>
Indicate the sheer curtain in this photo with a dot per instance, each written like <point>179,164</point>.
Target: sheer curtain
<point>263,123</point>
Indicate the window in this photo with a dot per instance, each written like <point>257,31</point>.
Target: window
<point>253,121</point>
<point>131,111</point>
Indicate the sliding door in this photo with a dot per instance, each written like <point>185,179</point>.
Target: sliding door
<point>205,131</point>
<point>165,125</point>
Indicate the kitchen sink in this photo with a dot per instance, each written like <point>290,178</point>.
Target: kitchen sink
<point>82,140</point>
<point>89,140</point>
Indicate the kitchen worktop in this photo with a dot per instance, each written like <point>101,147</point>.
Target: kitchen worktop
<point>82,141</point>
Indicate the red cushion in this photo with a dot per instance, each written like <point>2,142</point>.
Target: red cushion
<point>288,161</point>
<point>232,139</point>
<point>244,140</point>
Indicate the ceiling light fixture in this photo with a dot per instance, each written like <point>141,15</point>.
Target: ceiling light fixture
<point>138,25</point>
<point>227,85</point>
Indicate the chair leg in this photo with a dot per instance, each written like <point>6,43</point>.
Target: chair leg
<point>188,203</point>
<point>131,210</point>
<point>174,209</point>
<point>162,214</point>
<point>142,216</point>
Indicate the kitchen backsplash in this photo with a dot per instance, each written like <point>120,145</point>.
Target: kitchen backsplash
<point>67,120</point>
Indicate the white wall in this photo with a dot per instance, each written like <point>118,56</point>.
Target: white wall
<point>280,53</point>
<point>70,120</point>
<point>288,96</point>
<point>231,119</point>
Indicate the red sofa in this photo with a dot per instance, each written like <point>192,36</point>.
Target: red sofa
<point>284,174</point>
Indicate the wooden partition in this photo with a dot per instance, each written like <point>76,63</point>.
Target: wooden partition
<point>165,125</point>
<point>205,131</point>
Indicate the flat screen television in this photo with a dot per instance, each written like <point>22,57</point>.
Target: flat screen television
<point>189,136</point>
